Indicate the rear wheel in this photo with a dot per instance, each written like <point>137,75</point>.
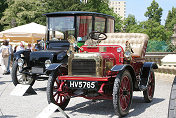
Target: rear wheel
<point>122,94</point>
<point>149,92</point>
<point>53,94</point>
<point>20,78</point>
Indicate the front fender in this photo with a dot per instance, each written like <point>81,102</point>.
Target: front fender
<point>147,67</point>
<point>122,68</point>
<point>150,65</point>
<point>119,68</point>
<point>145,74</point>
<point>53,67</point>
<point>17,55</point>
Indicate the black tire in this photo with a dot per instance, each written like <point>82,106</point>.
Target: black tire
<point>54,96</point>
<point>122,94</point>
<point>149,92</point>
<point>19,78</point>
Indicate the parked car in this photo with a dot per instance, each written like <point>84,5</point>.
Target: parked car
<point>62,28</point>
<point>109,66</point>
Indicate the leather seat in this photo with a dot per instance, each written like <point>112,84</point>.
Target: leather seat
<point>138,42</point>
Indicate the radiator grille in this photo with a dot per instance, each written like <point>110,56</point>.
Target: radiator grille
<point>84,67</point>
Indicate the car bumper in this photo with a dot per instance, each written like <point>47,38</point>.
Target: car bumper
<point>83,78</point>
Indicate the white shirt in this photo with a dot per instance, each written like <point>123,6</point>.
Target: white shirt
<point>19,48</point>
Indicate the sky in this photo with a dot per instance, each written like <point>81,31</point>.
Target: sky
<point>139,7</point>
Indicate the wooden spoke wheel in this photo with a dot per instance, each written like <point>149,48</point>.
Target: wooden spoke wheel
<point>122,94</point>
<point>149,92</point>
<point>53,94</point>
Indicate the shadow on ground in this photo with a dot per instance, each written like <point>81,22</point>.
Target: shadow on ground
<point>139,105</point>
<point>8,116</point>
<point>4,82</point>
<point>105,107</point>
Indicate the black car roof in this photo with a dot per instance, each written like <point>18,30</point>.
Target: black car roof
<point>72,13</point>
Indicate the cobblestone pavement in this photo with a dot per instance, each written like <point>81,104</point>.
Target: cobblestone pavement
<point>30,106</point>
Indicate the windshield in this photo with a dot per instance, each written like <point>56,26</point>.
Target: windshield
<point>100,24</point>
<point>61,27</point>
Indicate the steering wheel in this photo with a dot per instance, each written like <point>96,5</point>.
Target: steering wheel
<point>96,35</point>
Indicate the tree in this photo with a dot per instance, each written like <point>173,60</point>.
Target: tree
<point>3,6</point>
<point>155,31</point>
<point>22,12</point>
<point>154,12</point>
<point>129,22</point>
<point>171,19</point>
<point>64,5</point>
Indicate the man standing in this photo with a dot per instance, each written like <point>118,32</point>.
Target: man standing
<point>6,52</point>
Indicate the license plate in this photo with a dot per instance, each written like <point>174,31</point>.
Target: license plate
<point>82,84</point>
<point>37,70</point>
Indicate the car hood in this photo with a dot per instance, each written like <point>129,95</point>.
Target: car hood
<point>44,54</point>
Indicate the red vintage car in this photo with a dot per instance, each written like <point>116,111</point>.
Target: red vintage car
<point>108,66</point>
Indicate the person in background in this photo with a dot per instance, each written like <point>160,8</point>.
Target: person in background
<point>20,47</point>
<point>38,46</point>
<point>5,50</point>
<point>29,47</point>
<point>10,57</point>
<point>15,48</point>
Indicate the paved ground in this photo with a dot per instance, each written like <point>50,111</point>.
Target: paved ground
<point>31,106</point>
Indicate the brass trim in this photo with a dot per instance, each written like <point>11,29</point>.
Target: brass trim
<point>102,49</point>
<point>96,56</point>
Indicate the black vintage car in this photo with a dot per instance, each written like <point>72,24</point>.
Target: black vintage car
<point>65,31</point>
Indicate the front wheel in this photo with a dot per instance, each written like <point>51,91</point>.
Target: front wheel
<point>149,92</point>
<point>20,78</point>
<point>53,94</point>
<point>122,94</point>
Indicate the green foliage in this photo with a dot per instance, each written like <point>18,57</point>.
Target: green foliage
<point>129,23</point>
<point>171,19</point>
<point>152,26</point>
<point>22,12</point>
<point>63,5</point>
<point>25,11</point>
<point>3,6</point>
<point>155,31</point>
<point>154,12</point>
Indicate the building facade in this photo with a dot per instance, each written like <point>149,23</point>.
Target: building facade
<point>119,7</point>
